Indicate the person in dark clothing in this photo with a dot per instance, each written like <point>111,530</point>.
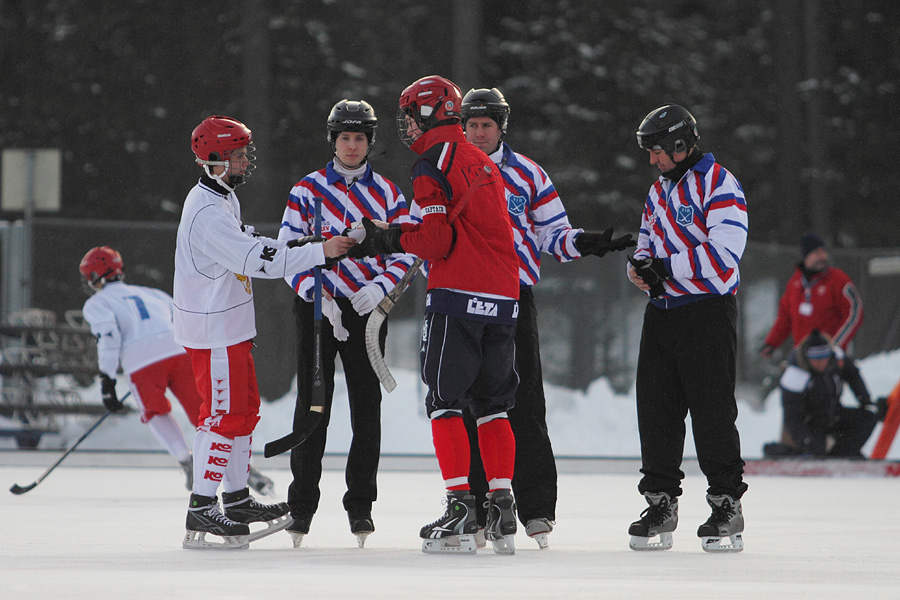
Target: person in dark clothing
<point>693,234</point>
<point>811,389</point>
<point>349,189</point>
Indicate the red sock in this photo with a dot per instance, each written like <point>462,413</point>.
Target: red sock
<point>451,446</point>
<point>498,452</point>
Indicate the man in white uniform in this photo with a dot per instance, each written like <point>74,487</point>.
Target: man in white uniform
<point>215,258</point>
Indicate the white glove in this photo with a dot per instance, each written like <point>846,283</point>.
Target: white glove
<point>367,298</point>
<point>333,312</point>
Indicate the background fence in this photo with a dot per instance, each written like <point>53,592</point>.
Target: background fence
<point>590,315</point>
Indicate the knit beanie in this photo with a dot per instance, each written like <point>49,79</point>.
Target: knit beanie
<point>817,346</point>
<point>810,242</point>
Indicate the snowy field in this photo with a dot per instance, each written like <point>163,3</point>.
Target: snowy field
<point>108,522</point>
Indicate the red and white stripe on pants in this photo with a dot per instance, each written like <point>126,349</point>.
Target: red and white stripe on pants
<point>226,381</point>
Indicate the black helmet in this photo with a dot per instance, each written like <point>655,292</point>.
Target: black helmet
<point>352,115</point>
<point>485,103</point>
<point>670,128</point>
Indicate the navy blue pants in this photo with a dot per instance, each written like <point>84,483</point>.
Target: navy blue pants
<point>535,481</point>
<point>467,363</point>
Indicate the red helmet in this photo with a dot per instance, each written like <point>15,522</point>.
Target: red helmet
<point>101,265</point>
<point>430,101</point>
<point>213,140</point>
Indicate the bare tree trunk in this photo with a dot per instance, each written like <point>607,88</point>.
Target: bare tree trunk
<point>791,198</point>
<point>817,134</point>
<point>467,44</point>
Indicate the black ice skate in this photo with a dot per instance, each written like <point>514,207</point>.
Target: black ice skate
<point>240,506</point>
<point>260,483</point>
<point>361,525</point>
<point>188,466</point>
<point>539,530</point>
<point>204,517</point>
<point>501,521</point>
<point>659,518</point>
<point>726,520</point>
<point>455,530</point>
<point>298,528</point>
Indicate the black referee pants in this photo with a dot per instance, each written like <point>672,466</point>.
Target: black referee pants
<point>364,392</point>
<point>687,365</point>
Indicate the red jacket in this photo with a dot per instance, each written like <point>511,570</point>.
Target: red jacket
<point>828,301</point>
<point>475,253</point>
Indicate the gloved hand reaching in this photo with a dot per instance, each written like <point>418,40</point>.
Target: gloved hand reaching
<point>377,241</point>
<point>108,391</point>
<point>367,298</point>
<point>599,244</point>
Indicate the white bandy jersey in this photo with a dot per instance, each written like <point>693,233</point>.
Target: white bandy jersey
<point>214,261</point>
<point>133,325</point>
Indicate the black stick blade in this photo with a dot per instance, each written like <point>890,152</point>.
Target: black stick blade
<point>296,437</point>
<point>19,490</point>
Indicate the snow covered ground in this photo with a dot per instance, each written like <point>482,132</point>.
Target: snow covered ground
<point>109,524</point>
<point>594,423</point>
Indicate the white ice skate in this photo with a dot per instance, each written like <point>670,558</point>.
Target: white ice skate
<point>659,519</point>
<point>539,530</point>
<point>726,521</point>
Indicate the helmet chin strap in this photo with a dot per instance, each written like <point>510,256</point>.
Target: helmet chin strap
<point>218,178</point>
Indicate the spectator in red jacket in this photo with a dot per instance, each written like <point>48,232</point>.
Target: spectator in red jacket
<point>818,296</point>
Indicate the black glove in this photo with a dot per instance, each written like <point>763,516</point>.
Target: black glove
<point>108,390</point>
<point>881,408</point>
<point>377,241</point>
<point>599,244</point>
<point>651,270</point>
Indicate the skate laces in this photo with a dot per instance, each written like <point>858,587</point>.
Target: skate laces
<point>656,514</point>
<point>446,515</point>
<point>215,514</point>
<point>722,513</point>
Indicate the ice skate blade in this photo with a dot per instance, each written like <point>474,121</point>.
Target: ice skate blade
<point>505,544</point>
<point>642,544</point>
<point>273,526</point>
<point>455,544</point>
<point>480,540</point>
<point>542,539</point>
<point>361,538</point>
<point>196,540</point>
<point>714,544</point>
<point>296,538</point>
